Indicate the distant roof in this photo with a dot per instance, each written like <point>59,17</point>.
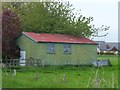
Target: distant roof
<point>60,38</point>
<point>103,45</point>
<point>112,45</point>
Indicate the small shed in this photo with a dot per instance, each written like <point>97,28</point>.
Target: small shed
<point>57,49</point>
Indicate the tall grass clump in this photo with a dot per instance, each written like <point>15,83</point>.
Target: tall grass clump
<point>99,79</point>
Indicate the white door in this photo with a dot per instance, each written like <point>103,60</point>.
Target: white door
<point>22,58</point>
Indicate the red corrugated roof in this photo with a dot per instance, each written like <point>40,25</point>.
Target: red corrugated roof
<point>60,38</point>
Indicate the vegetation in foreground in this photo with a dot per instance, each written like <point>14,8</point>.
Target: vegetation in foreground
<point>64,76</point>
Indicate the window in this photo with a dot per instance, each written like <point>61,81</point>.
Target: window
<point>67,48</point>
<point>51,48</point>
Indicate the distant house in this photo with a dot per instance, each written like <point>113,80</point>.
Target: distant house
<point>101,45</point>
<point>113,47</point>
<point>57,49</point>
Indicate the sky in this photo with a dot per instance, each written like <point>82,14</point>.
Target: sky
<point>104,12</point>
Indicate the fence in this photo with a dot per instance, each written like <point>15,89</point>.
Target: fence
<point>23,62</point>
<point>38,62</point>
<point>34,62</point>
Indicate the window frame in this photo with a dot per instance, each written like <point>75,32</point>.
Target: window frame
<point>51,48</point>
<point>67,49</point>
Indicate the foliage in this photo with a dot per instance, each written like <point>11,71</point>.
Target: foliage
<point>54,17</point>
<point>10,30</point>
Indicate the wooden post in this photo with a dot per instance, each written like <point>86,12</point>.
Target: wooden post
<point>4,69</point>
<point>13,62</point>
<point>112,80</point>
<point>37,62</point>
<point>10,64</point>
<point>64,77</point>
<point>43,63</point>
<point>37,76</point>
<point>97,82</point>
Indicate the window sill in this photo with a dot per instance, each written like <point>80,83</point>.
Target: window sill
<point>51,53</point>
<point>67,53</point>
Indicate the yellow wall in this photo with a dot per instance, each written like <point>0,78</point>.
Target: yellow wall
<point>81,53</point>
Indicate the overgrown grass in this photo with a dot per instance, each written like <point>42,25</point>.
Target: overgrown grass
<point>52,76</point>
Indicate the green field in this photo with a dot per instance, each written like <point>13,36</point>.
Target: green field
<point>52,76</point>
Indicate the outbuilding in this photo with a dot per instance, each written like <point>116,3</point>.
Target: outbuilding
<point>57,49</point>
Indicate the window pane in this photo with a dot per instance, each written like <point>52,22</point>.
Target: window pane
<point>67,48</point>
<point>51,48</point>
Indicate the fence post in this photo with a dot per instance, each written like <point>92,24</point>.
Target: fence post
<point>43,63</point>
<point>13,62</point>
<point>37,62</point>
<point>64,77</point>
<point>97,82</point>
<point>14,72</point>
<point>7,62</point>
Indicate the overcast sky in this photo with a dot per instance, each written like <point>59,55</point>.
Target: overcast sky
<point>104,12</point>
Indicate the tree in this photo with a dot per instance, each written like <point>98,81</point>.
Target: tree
<point>11,29</point>
<point>65,21</point>
<point>55,17</point>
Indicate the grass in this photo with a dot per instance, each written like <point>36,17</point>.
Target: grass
<point>52,76</point>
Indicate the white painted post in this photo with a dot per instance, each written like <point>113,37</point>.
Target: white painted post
<point>14,72</point>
